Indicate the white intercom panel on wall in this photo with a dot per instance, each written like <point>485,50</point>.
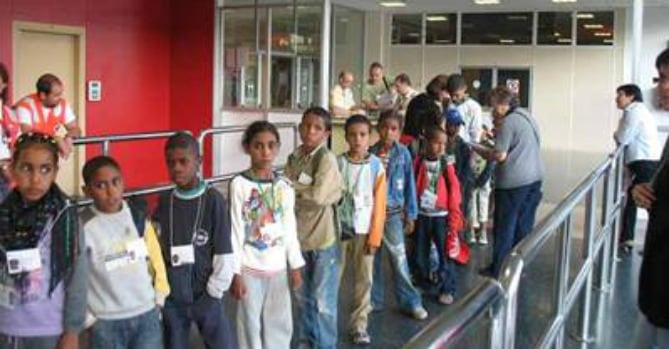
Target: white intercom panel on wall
<point>94,90</point>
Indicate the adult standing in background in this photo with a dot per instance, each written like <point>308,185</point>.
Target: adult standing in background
<point>425,109</point>
<point>342,103</point>
<point>377,93</point>
<point>471,111</point>
<point>405,93</point>
<point>8,132</point>
<point>638,131</point>
<point>654,196</point>
<point>46,111</point>
<point>519,173</point>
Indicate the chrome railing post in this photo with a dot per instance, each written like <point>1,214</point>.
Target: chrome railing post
<point>604,257</point>
<point>583,334</point>
<point>105,147</point>
<point>619,205</point>
<point>562,275</point>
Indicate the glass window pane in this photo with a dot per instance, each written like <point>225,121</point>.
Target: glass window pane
<point>407,29</point>
<point>594,28</point>
<point>479,83</point>
<point>441,28</point>
<point>281,82</point>
<point>239,60</point>
<point>308,30</point>
<point>513,28</point>
<point>518,80</point>
<point>283,29</point>
<point>347,24</point>
<point>554,28</point>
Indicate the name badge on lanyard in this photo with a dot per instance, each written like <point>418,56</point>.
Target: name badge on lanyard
<point>428,200</point>
<point>25,260</point>
<point>182,255</point>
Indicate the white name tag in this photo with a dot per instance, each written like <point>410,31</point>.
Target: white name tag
<point>7,297</point>
<point>20,261</point>
<point>117,260</point>
<point>428,200</point>
<point>137,250</point>
<point>361,201</point>
<point>305,179</point>
<point>182,255</point>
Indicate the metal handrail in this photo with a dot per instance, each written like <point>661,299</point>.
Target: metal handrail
<point>446,329</point>
<point>106,141</point>
<point>449,326</point>
<point>159,188</point>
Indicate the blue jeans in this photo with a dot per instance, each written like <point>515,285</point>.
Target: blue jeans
<point>208,314</point>
<point>393,243</point>
<point>139,332</point>
<point>434,229</point>
<point>317,298</point>
<point>515,211</point>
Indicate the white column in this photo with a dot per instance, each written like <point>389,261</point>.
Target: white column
<point>637,39</point>
<point>326,29</point>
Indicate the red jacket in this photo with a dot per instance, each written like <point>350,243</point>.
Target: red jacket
<point>448,196</point>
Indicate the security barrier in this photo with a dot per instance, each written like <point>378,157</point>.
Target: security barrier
<point>498,298</point>
<point>106,141</point>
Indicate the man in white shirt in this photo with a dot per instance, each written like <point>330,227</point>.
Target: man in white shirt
<point>470,109</point>
<point>342,102</point>
<point>404,93</point>
<point>46,111</point>
<point>636,129</point>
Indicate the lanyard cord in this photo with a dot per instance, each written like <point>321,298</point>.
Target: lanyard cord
<point>435,179</point>
<point>349,185</point>
<point>198,217</point>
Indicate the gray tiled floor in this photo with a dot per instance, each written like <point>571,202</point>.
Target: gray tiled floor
<point>621,326</point>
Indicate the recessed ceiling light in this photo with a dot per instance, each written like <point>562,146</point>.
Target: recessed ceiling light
<point>593,26</point>
<point>486,2</point>
<point>393,3</point>
<point>585,15</point>
<point>436,18</point>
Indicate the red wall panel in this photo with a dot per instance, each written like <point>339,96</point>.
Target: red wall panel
<point>128,50</point>
<point>192,67</point>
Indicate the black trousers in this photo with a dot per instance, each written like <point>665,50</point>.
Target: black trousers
<point>642,172</point>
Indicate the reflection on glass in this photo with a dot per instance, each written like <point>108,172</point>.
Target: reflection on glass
<point>308,30</point>
<point>512,28</point>
<point>240,80</point>
<point>281,82</point>
<point>283,29</point>
<point>407,29</point>
<point>479,83</point>
<point>348,45</point>
<point>594,28</point>
<point>440,28</point>
<point>518,80</point>
<point>554,28</point>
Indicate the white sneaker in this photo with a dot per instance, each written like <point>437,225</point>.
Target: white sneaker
<point>446,299</point>
<point>483,237</point>
<point>471,237</point>
<point>419,313</point>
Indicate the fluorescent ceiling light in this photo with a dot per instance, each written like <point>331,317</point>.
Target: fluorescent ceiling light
<point>593,26</point>
<point>516,18</point>
<point>506,41</point>
<point>557,34</point>
<point>563,1</point>
<point>585,15</point>
<point>602,34</point>
<point>608,41</point>
<point>393,3</point>
<point>436,18</point>
<point>486,2</point>
<point>564,41</point>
